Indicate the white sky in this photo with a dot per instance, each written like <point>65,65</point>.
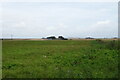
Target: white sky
<point>59,0</point>
<point>70,19</point>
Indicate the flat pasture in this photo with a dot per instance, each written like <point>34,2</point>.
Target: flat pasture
<point>60,58</point>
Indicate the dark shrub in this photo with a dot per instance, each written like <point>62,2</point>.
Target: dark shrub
<point>112,45</point>
<point>99,41</point>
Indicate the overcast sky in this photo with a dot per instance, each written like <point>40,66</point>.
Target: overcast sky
<point>69,19</point>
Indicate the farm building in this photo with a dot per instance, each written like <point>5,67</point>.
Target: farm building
<point>54,38</point>
<point>51,38</point>
<point>62,38</point>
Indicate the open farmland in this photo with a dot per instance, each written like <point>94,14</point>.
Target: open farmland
<point>60,59</point>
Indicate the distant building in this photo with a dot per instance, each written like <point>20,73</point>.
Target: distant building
<point>54,38</point>
<point>89,38</point>
<point>62,38</point>
<point>115,38</point>
<point>51,38</point>
<point>43,38</point>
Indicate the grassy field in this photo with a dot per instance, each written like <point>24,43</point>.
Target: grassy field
<point>60,59</point>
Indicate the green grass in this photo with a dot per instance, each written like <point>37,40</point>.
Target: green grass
<point>60,59</point>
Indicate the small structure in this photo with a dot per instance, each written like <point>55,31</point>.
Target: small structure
<point>51,38</point>
<point>115,38</point>
<point>89,38</point>
<point>62,38</point>
<point>54,38</point>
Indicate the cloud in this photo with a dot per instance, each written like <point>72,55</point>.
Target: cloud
<point>103,29</point>
<point>20,25</point>
<point>103,22</point>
